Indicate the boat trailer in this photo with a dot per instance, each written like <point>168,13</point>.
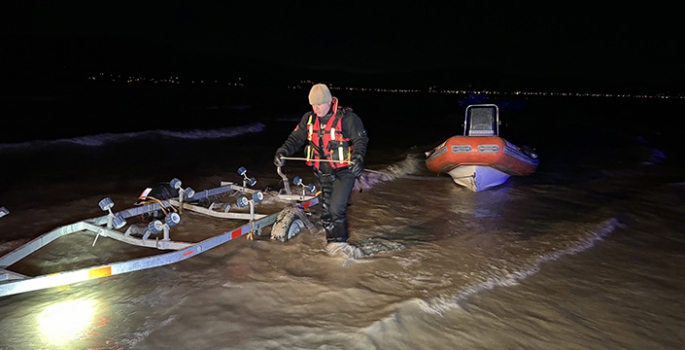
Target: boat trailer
<point>156,232</point>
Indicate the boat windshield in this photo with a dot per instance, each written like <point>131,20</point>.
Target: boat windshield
<point>481,121</point>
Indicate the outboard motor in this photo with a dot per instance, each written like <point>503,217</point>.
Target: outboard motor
<point>529,151</point>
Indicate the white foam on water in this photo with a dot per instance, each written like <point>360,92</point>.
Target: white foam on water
<point>410,165</point>
<point>442,304</point>
<point>360,251</point>
<point>107,138</point>
<point>214,133</point>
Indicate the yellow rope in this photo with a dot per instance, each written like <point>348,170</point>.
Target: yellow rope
<point>249,236</point>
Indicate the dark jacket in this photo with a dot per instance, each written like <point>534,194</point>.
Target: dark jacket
<point>352,128</point>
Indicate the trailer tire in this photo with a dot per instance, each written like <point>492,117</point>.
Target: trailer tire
<point>288,224</point>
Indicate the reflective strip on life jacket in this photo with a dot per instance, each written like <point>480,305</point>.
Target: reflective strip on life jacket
<point>340,154</point>
<point>309,138</point>
<point>314,153</point>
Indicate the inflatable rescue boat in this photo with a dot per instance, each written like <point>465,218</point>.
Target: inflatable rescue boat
<point>481,159</point>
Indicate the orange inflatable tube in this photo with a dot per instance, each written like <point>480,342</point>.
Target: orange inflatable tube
<point>492,151</point>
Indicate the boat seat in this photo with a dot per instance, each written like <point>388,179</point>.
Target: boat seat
<point>482,120</point>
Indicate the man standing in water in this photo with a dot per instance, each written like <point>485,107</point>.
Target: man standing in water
<point>335,147</point>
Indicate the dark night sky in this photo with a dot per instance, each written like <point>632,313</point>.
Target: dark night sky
<point>565,40</point>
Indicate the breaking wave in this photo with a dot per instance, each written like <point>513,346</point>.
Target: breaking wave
<point>406,169</point>
<point>109,138</point>
<point>497,278</point>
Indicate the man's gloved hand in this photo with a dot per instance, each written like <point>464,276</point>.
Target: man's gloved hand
<point>357,167</point>
<point>278,161</point>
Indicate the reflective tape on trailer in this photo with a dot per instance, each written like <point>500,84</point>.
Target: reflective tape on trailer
<point>22,284</point>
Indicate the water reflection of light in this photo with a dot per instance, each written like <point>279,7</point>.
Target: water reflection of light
<point>66,321</point>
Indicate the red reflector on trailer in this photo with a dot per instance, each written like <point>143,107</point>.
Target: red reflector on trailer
<point>237,233</point>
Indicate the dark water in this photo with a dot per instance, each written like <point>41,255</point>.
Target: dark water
<point>586,253</point>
